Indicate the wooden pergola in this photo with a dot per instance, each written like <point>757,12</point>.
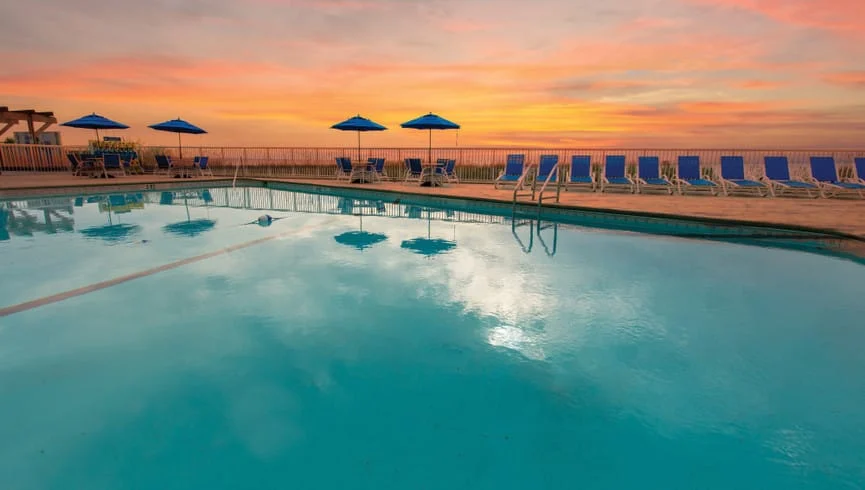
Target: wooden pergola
<point>10,118</point>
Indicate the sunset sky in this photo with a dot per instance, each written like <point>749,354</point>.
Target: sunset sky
<point>558,73</point>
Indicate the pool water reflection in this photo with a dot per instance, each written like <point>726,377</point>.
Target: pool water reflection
<point>487,353</point>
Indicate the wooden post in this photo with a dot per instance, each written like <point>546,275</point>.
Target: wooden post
<point>31,130</point>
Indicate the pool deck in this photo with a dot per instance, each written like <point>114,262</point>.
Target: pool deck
<point>840,215</point>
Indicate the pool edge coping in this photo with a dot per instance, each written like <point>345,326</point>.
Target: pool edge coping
<point>826,232</point>
<point>30,192</point>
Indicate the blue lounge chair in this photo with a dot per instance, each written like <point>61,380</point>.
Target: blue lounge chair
<point>649,176</point>
<point>377,165</point>
<point>513,171</point>
<point>450,171</point>
<point>547,169</point>
<point>414,170</point>
<point>78,167</point>
<point>859,170</point>
<point>202,167</point>
<point>343,168</point>
<point>546,176</point>
<point>111,164</point>
<point>688,173</point>
<point>825,174</point>
<point>778,175</point>
<point>580,176</point>
<point>163,164</point>
<point>733,177</point>
<point>614,174</point>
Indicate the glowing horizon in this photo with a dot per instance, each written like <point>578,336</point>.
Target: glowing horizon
<point>555,73</point>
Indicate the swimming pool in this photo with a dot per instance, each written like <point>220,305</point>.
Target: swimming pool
<point>165,339</point>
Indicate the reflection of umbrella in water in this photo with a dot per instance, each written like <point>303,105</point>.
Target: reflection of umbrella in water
<point>428,246</point>
<point>190,227</point>
<point>111,232</point>
<point>360,240</point>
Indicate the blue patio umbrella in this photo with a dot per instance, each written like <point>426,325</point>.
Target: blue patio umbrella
<point>96,122</point>
<point>178,126</point>
<point>429,122</point>
<point>359,124</point>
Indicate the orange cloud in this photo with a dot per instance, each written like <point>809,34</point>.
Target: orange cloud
<point>758,84</point>
<point>850,79</point>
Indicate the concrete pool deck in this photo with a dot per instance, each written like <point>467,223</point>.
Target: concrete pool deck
<point>840,215</point>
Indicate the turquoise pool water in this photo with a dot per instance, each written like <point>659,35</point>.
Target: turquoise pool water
<point>311,356</point>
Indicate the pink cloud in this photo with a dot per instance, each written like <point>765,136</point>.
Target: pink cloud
<point>842,16</point>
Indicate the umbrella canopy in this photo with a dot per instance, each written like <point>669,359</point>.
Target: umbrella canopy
<point>111,233</point>
<point>189,228</point>
<point>178,126</point>
<point>96,122</point>
<point>360,240</point>
<point>359,124</point>
<point>429,122</point>
<point>428,246</point>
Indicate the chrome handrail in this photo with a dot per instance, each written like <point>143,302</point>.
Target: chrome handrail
<point>519,185</point>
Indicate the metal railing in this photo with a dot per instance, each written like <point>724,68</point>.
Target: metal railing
<point>474,165</point>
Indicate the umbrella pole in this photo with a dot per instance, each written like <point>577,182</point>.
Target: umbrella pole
<point>358,146</point>
<point>179,147</point>
<point>429,151</point>
<point>97,134</point>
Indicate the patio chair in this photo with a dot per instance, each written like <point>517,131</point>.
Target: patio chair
<point>614,174</point>
<point>777,170</point>
<point>203,167</point>
<point>580,176</point>
<point>688,177</point>
<point>548,169</point>
<point>343,168</point>
<point>514,169</point>
<point>111,164</point>
<point>859,170</point>
<point>79,167</point>
<point>414,170</point>
<point>163,164</point>
<point>733,178</point>
<point>649,176</point>
<point>377,165</point>
<point>825,174</point>
<point>450,171</point>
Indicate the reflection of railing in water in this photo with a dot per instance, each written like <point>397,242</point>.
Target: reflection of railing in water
<point>263,199</point>
<point>535,226</point>
<point>21,218</point>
